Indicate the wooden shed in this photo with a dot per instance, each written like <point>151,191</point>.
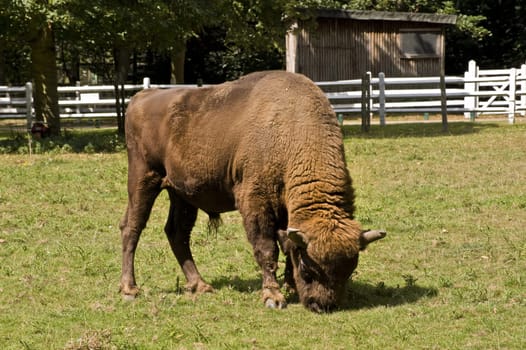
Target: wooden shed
<point>342,45</point>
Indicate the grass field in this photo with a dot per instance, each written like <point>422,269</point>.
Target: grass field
<point>451,274</point>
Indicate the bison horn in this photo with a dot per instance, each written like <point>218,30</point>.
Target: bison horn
<point>370,236</point>
<point>297,237</point>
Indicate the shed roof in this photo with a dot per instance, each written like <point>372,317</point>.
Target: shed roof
<point>388,16</point>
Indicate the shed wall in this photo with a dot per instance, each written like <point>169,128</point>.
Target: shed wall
<point>341,49</point>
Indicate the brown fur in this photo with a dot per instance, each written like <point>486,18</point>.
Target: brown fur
<point>267,145</point>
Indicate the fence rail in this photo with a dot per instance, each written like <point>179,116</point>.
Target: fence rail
<point>74,101</point>
<point>497,91</point>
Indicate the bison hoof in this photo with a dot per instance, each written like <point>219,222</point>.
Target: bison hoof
<point>129,297</point>
<point>129,293</point>
<point>272,304</point>
<point>199,287</point>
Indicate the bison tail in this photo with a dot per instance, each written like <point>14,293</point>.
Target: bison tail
<point>214,221</point>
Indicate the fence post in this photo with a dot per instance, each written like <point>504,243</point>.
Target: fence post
<point>366,102</point>
<point>470,101</point>
<point>29,106</point>
<point>443,101</point>
<point>371,102</point>
<point>381,97</point>
<point>340,118</point>
<point>523,90</point>
<point>512,96</point>
<point>146,83</point>
<point>77,96</point>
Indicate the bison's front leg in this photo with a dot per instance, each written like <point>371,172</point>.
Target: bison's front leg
<point>261,232</point>
<point>289,283</point>
<point>266,255</point>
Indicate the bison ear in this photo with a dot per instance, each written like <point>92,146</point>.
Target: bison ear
<point>297,237</point>
<point>370,236</point>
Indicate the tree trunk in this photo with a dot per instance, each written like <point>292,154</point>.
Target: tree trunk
<point>71,69</point>
<point>3,79</point>
<point>44,71</point>
<point>177,65</point>
<point>121,56</point>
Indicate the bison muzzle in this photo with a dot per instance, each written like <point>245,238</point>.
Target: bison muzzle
<point>268,145</point>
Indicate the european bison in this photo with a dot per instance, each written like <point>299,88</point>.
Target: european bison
<point>268,145</point>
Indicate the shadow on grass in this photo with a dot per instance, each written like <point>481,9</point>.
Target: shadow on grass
<point>363,295</point>
<point>105,140</point>
<point>238,284</point>
<point>415,130</point>
<point>359,295</point>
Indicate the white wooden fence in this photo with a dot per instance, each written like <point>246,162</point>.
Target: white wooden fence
<point>74,101</point>
<point>501,91</point>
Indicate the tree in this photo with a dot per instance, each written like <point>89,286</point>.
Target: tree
<point>32,22</point>
<point>255,31</point>
<point>506,44</point>
<point>14,55</point>
<point>123,28</point>
<point>181,20</point>
<point>110,26</point>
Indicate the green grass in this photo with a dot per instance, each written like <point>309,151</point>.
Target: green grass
<point>451,274</point>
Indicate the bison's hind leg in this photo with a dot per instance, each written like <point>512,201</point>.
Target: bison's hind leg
<point>143,189</point>
<point>179,225</point>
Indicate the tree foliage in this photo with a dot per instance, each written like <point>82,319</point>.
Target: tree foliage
<point>505,46</point>
<point>123,27</point>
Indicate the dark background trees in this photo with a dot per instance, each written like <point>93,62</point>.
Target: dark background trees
<point>504,46</point>
<point>116,41</point>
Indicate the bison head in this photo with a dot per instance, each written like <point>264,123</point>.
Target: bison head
<point>320,271</point>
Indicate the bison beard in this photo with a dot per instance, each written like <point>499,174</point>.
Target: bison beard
<point>268,145</point>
